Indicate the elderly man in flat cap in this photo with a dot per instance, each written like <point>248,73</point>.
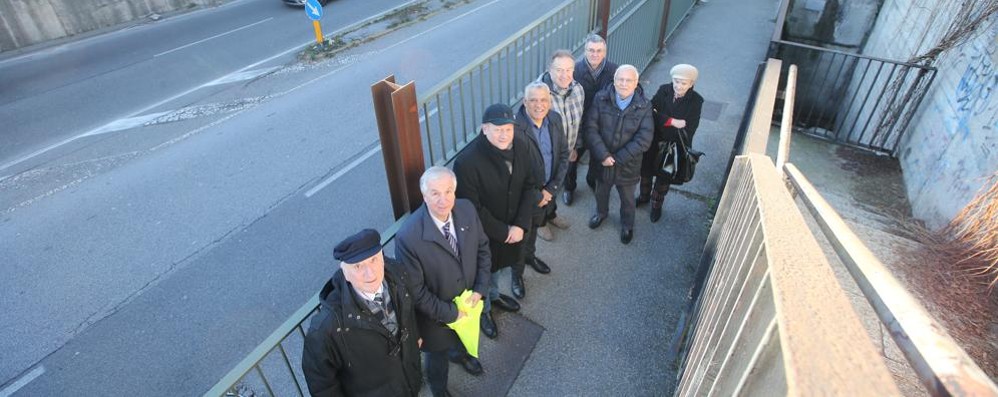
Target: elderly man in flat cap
<point>677,112</point>
<point>364,340</point>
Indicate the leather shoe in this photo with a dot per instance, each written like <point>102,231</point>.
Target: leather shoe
<point>656,214</point>
<point>539,265</point>
<point>595,221</point>
<point>626,235</point>
<point>489,326</point>
<point>507,303</point>
<point>519,290</point>
<point>641,200</point>
<point>567,197</point>
<point>471,365</point>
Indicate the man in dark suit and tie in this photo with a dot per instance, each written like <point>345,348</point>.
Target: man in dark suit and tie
<point>445,251</point>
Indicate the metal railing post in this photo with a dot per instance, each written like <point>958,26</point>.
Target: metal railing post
<point>603,17</point>
<point>401,145</point>
<point>787,124</point>
<point>762,114</point>
<point>665,23</point>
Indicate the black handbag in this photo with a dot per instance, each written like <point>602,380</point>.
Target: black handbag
<point>679,161</point>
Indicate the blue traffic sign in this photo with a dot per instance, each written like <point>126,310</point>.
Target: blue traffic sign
<point>313,9</point>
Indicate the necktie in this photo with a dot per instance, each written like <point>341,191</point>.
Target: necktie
<point>450,238</point>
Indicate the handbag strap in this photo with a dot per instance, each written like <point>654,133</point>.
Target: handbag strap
<point>682,138</point>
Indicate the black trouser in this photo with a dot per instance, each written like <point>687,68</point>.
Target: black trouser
<point>626,192</point>
<point>573,172</point>
<point>436,366</point>
<point>540,219</point>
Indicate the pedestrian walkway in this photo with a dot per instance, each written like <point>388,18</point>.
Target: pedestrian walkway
<point>609,310</point>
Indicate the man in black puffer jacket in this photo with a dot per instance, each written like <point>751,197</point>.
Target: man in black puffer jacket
<point>364,340</point>
<point>618,130</point>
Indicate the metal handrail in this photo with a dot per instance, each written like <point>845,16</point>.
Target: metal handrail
<point>853,54</point>
<point>941,364</point>
<point>447,82</point>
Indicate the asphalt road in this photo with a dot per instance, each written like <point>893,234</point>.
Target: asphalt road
<point>68,90</point>
<point>149,259</point>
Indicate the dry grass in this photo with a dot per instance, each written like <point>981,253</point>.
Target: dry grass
<point>971,239</point>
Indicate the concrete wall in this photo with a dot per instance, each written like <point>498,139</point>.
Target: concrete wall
<point>839,24</point>
<point>27,22</point>
<point>951,145</point>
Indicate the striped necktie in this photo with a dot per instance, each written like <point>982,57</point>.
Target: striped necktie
<point>450,238</point>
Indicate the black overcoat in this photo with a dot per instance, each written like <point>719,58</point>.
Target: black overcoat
<point>686,108</point>
<point>502,198</point>
<point>437,274</point>
<point>559,158</point>
<point>348,352</point>
<point>624,134</point>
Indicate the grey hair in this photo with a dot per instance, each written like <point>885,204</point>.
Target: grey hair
<point>433,173</point>
<point>624,67</point>
<point>595,38</point>
<point>537,85</point>
<point>561,54</point>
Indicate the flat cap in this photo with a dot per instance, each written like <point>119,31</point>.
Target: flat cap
<point>685,71</point>
<point>358,247</point>
<point>498,114</point>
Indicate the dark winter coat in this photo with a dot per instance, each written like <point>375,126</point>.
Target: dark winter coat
<point>624,134</point>
<point>437,275</point>
<point>686,108</point>
<point>502,199</point>
<point>591,85</point>
<point>559,147</point>
<point>348,352</point>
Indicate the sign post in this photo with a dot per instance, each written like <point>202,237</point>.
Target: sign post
<point>314,11</point>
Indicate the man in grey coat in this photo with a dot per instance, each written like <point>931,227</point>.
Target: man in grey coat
<point>619,129</point>
<point>445,251</point>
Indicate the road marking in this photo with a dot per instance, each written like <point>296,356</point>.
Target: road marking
<point>131,122</point>
<point>338,174</point>
<point>27,378</point>
<point>212,37</point>
<point>239,76</point>
<point>439,25</point>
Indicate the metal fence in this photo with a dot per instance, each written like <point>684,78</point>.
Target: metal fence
<point>853,99</point>
<point>450,112</point>
<point>771,319</point>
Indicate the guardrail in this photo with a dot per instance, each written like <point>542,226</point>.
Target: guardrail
<point>771,319</point>
<point>734,316</point>
<point>450,112</point>
<point>943,366</point>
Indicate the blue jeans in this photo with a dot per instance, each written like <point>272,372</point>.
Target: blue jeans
<point>493,292</point>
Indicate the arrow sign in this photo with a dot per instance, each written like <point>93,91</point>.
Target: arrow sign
<point>313,9</point>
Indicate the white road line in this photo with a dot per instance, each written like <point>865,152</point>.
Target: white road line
<point>131,122</point>
<point>212,37</point>
<point>240,76</point>
<point>27,378</point>
<point>435,27</point>
<point>185,93</point>
<point>338,174</point>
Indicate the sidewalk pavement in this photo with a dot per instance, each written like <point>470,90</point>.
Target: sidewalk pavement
<point>609,310</point>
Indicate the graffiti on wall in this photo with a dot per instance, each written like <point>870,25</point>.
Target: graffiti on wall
<point>974,92</point>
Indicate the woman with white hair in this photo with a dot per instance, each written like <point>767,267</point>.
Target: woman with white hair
<point>676,109</point>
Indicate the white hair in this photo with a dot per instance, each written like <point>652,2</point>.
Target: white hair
<point>433,173</point>
<point>537,85</point>
<point>624,67</point>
